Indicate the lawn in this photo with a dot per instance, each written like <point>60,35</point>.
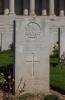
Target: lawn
<point>6,63</point>
<point>57,78</point>
<point>6,58</point>
<point>57,73</point>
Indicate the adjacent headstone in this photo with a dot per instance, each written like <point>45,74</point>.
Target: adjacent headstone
<point>53,38</point>
<point>7,39</point>
<point>32,55</point>
<point>62,41</point>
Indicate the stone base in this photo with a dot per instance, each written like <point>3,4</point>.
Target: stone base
<point>6,11</point>
<point>26,12</point>
<point>62,13</point>
<point>44,13</point>
<point>32,13</point>
<point>12,14</point>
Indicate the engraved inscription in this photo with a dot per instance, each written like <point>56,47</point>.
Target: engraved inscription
<point>32,30</point>
<point>32,45</point>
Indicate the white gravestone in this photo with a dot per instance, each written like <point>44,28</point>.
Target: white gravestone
<point>32,55</point>
<point>53,37</point>
<point>0,41</point>
<point>7,40</point>
<point>62,41</point>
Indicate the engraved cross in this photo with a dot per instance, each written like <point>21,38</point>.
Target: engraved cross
<point>33,61</point>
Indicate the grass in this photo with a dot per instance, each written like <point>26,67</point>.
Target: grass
<point>51,97</point>
<point>6,58</point>
<point>6,63</point>
<point>57,78</point>
<point>25,96</point>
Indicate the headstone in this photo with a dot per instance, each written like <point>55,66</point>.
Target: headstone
<point>62,41</point>
<point>0,42</point>
<point>6,40</point>
<point>53,33</point>
<point>32,55</point>
<point>53,37</point>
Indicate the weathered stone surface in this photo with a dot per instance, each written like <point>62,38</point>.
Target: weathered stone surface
<point>32,55</point>
<point>62,41</point>
<point>7,39</point>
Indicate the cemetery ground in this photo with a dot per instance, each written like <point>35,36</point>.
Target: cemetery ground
<point>57,76</point>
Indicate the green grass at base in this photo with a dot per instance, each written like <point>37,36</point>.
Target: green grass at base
<point>51,97</point>
<point>57,78</point>
<point>6,58</point>
<point>25,96</point>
